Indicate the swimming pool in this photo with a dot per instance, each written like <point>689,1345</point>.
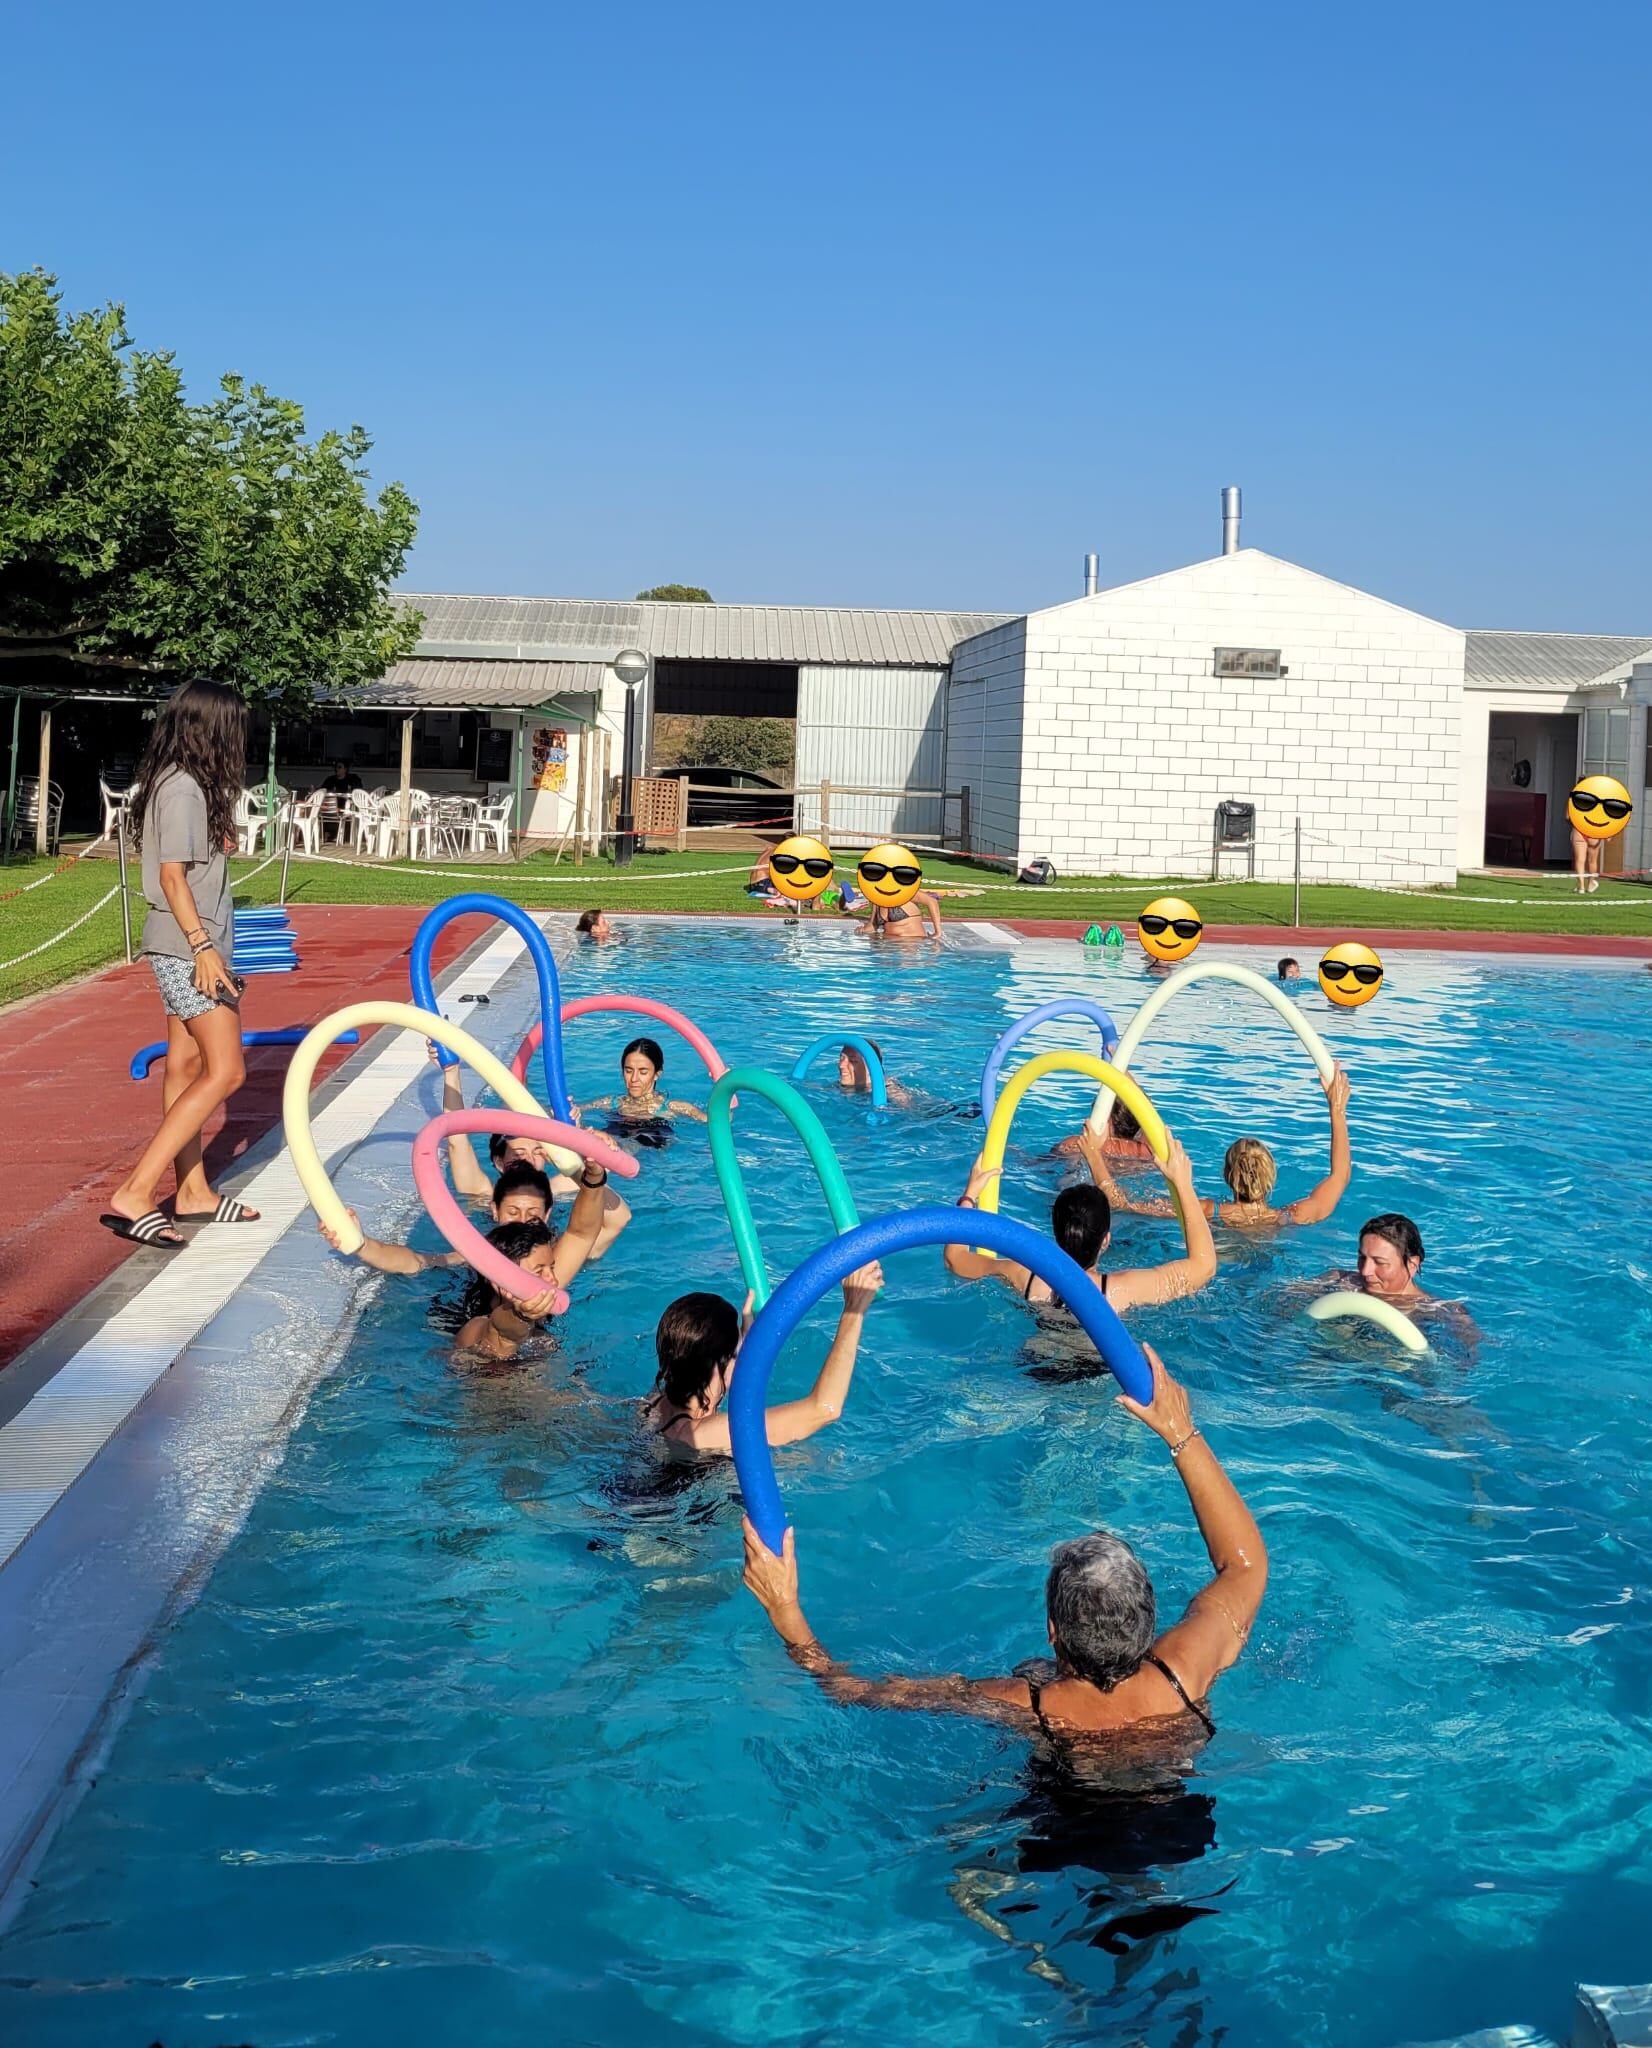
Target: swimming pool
<point>473,1730</point>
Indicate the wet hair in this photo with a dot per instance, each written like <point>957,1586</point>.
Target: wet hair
<point>522,1176</point>
<point>1121,1122</point>
<point>588,922</point>
<point>1082,1217</point>
<point>1290,960</point>
<point>515,1240</point>
<point>1400,1232</point>
<point>1101,1608</point>
<point>650,1050</point>
<point>496,1150</point>
<point>697,1334</point>
<point>201,732</point>
<point>1250,1170</point>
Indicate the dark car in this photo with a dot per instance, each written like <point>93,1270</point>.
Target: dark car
<point>735,796</point>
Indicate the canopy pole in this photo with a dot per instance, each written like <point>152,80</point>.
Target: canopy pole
<point>404,817</point>
<point>269,784</point>
<point>521,750</point>
<point>11,772</point>
<point>43,807</point>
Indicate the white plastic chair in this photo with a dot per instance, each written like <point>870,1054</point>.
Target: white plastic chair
<point>114,802</point>
<point>251,818</point>
<point>303,820</point>
<point>418,824</point>
<point>492,824</point>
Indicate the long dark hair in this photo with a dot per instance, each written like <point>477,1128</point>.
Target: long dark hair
<point>515,1240</point>
<point>202,733</point>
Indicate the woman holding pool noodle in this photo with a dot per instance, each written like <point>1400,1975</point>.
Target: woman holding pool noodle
<point>1112,1669</point>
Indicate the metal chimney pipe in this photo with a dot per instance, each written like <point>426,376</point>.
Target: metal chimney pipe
<point>1092,574</point>
<point>1230,519</point>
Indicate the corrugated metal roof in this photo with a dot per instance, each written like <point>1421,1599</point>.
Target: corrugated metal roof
<point>1547,661</point>
<point>699,632</point>
<point>477,685</point>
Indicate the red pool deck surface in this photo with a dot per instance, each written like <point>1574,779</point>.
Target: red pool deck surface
<point>74,1119</point>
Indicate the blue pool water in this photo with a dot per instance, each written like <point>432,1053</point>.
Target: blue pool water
<point>473,1733</point>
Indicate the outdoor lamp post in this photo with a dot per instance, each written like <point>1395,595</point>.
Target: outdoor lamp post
<point>631,667</point>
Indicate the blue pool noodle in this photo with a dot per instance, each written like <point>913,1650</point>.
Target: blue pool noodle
<point>867,1051</point>
<point>879,1239</point>
<point>550,988</point>
<point>293,1034</point>
<point>1063,1006</point>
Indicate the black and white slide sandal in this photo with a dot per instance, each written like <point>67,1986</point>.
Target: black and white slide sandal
<point>152,1229</point>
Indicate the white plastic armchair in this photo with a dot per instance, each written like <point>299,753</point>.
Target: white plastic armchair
<point>491,826</point>
<point>114,802</point>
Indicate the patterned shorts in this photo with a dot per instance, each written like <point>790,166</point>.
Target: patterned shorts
<point>176,980</point>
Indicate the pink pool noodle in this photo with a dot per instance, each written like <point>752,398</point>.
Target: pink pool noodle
<point>457,1227</point>
<point>627,1006</point>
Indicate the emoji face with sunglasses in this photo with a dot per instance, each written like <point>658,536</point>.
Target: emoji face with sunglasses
<point>889,876</point>
<point>1350,974</point>
<point>800,869</point>
<point>1599,807</point>
<point>1169,929</point>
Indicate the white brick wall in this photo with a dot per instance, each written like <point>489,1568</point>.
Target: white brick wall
<point>1114,740</point>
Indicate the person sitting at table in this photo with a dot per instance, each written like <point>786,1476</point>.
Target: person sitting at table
<point>342,780</point>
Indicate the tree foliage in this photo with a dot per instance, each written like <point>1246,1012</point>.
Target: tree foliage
<point>145,535</point>
<point>675,593</point>
<point>762,744</point>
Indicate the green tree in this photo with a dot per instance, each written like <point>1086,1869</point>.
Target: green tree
<point>142,534</point>
<point>762,744</point>
<point>675,593</point>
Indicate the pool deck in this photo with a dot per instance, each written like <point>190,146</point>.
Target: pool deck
<point>74,1120</point>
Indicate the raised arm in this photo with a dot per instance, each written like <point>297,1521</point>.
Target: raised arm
<point>578,1241</point>
<point>964,1259</point>
<point>1141,1286</point>
<point>1315,1207</point>
<point>791,1421</point>
<point>468,1178</point>
<point>1213,1631</point>
<point>1095,1158</point>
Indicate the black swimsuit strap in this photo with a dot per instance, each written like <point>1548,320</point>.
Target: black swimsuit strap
<point>1192,1706</point>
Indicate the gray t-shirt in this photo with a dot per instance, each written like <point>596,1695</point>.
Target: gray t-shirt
<point>175,828</point>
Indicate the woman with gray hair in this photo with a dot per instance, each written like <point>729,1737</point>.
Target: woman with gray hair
<point>1112,1670</point>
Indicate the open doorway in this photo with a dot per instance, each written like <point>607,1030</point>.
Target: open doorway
<point>1531,763</point>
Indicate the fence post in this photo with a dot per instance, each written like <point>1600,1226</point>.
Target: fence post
<point>825,812</point>
<point>287,849</point>
<point>682,813</point>
<point>580,781</point>
<point>963,819</point>
<point>125,900</point>
<point>1296,886</point>
<point>43,787</point>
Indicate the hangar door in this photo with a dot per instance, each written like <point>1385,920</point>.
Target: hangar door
<point>873,728</point>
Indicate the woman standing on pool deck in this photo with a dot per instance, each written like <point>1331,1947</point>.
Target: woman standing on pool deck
<point>1112,1670</point>
<point>183,807</point>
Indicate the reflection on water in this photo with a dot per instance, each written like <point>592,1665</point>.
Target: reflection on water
<point>474,1733</point>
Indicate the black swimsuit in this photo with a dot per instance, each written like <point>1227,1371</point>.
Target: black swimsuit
<point>1026,1292</point>
<point>1035,1690</point>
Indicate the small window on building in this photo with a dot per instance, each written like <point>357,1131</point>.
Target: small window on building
<point>1248,661</point>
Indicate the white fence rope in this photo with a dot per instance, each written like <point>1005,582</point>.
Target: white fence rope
<point>481,875</point>
<point>18,958</point>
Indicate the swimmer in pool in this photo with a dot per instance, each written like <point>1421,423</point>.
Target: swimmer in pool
<point>920,918</point>
<point>473,1185</point>
<point>854,1074</point>
<point>1082,1224</point>
<point>1250,1173</point>
<point>593,924</point>
<point>1113,1669</point>
<point>1390,1258</point>
<point>698,1343</point>
<point>521,1194</point>
<point>498,1323</point>
<point>641,1065</point>
<point>1290,970</point>
<point>1123,1140</point>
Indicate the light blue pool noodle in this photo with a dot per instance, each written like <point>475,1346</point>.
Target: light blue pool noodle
<point>880,1239</point>
<point>1062,1006</point>
<point>864,1046</point>
<point>550,988</point>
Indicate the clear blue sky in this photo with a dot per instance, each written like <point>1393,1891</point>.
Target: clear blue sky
<point>900,304</point>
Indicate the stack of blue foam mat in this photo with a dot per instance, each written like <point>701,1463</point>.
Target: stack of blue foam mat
<point>265,942</point>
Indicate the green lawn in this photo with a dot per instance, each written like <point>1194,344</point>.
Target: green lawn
<point>677,881</point>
